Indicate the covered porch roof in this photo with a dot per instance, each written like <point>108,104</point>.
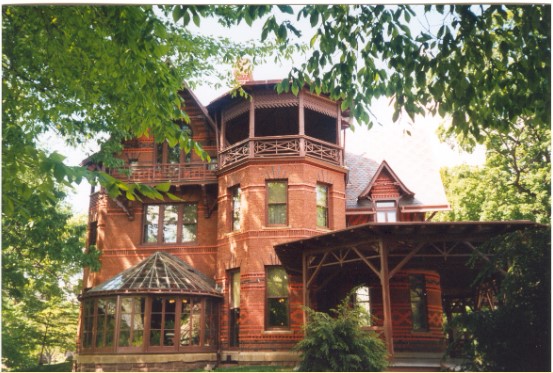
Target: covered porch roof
<point>404,236</point>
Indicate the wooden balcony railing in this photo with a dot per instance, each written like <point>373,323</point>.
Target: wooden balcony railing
<point>281,146</point>
<point>185,173</point>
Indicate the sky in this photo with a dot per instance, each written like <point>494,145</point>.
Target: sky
<point>355,141</point>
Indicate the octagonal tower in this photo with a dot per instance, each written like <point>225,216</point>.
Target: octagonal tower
<point>281,177</point>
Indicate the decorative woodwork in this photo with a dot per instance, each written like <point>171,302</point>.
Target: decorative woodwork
<point>280,146</point>
<point>183,173</point>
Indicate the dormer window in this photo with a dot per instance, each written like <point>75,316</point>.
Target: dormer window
<point>386,211</point>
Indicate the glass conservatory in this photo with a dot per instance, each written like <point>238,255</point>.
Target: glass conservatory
<point>162,304</point>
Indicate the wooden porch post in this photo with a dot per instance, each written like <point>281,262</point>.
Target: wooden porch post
<point>301,123</point>
<point>386,302</point>
<point>251,131</point>
<point>305,289</point>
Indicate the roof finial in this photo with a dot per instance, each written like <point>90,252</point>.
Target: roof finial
<point>243,70</point>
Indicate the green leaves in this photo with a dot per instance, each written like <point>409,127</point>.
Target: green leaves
<point>523,300</point>
<point>487,68</point>
<point>338,344</point>
<point>517,165</point>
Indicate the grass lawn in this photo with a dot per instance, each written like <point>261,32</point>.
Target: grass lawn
<point>254,368</point>
<point>66,367</point>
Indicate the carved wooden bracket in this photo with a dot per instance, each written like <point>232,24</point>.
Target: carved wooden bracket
<point>126,206</point>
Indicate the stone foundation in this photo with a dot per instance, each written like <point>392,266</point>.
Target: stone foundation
<point>145,362</point>
<point>181,362</point>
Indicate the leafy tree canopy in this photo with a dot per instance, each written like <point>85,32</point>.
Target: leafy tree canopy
<point>513,184</point>
<point>104,73</point>
<point>486,66</point>
<point>41,256</point>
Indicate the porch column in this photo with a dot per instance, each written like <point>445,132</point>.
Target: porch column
<point>301,123</point>
<point>251,131</point>
<point>386,302</point>
<point>222,134</point>
<point>305,289</point>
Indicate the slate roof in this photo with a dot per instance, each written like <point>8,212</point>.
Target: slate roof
<point>412,160</point>
<point>160,272</point>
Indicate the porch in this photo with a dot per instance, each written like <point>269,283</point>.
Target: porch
<point>380,252</point>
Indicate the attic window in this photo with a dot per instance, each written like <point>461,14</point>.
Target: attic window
<point>386,211</point>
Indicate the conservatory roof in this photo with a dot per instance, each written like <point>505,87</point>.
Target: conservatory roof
<point>160,272</point>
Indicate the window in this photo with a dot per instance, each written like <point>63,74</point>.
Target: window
<point>386,211</point>
<point>417,294</point>
<point>131,322</point>
<point>277,202</point>
<point>162,321</point>
<point>105,327</point>
<point>155,323</point>
<point>189,222</point>
<point>277,298</point>
<point>322,205</point>
<point>88,323</point>
<point>236,196</point>
<point>170,223</point>
<point>234,305</point>
<point>362,298</point>
<point>190,327</point>
<point>168,154</point>
<point>92,233</point>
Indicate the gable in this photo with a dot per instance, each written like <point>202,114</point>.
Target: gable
<point>385,184</point>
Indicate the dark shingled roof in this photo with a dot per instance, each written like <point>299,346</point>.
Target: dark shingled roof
<point>411,159</point>
<point>160,272</point>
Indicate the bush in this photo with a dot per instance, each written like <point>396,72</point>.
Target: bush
<point>339,344</point>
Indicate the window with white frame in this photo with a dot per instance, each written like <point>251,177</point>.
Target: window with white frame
<point>386,211</point>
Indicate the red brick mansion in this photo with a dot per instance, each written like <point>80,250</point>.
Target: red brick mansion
<point>281,218</point>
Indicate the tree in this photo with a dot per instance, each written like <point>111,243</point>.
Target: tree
<point>41,256</point>
<point>338,344</point>
<point>486,66</point>
<point>513,184</point>
<point>105,73</point>
<point>516,336</point>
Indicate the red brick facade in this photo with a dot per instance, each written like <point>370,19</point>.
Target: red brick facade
<point>304,156</point>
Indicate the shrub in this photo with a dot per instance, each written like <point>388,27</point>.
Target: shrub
<point>339,344</point>
<point>515,336</point>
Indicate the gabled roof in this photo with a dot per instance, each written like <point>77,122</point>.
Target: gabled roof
<point>408,158</point>
<point>384,166</point>
<point>160,272</point>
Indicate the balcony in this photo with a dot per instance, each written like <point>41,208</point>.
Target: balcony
<point>281,146</point>
<point>184,173</point>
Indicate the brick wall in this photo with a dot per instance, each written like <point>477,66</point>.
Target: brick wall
<point>251,248</point>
